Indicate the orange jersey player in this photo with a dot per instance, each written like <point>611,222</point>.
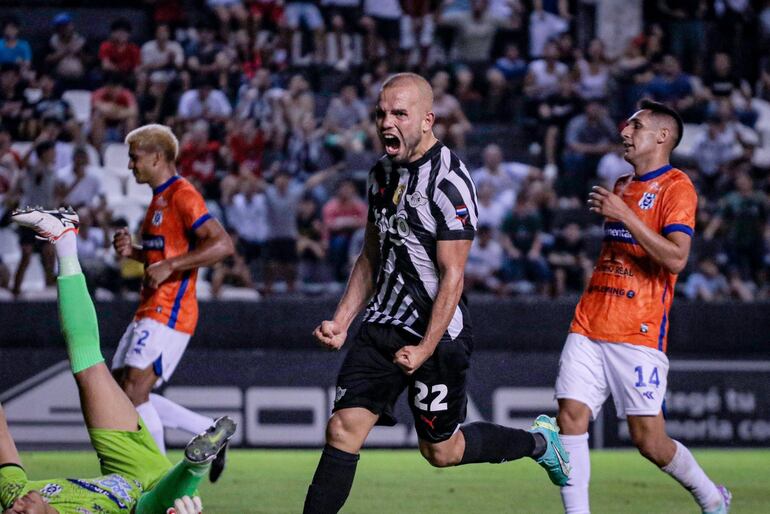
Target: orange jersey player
<point>630,294</point>
<point>178,237</point>
<point>617,340</point>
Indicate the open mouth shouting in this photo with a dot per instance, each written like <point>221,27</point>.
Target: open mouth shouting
<point>392,144</point>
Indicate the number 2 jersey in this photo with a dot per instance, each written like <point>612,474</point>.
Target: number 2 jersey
<point>629,295</point>
<point>176,211</point>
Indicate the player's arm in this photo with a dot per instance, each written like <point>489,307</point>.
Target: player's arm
<point>125,247</point>
<point>212,245</point>
<point>670,251</point>
<point>8,452</point>
<point>331,334</point>
<point>451,257</point>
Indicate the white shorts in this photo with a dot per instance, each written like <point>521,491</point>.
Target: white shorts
<point>590,370</point>
<point>147,342</point>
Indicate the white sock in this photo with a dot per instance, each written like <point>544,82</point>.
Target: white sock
<point>66,248</point>
<point>685,470</point>
<point>574,495</point>
<point>152,422</point>
<point>173,415</point>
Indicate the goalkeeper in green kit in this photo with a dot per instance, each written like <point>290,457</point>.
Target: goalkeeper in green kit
<point>136,477</point>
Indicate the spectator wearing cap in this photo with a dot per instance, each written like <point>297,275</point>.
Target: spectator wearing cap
<point>37,187</point>
<point>114,111</point>
<point>118,53</point>
<point>65,56</point>
<point>13,49</point>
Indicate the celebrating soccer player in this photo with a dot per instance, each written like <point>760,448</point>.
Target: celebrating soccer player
<point>178,237</point>
<point>416,332</point>
<point>137,476</point>
<point>617,340</point>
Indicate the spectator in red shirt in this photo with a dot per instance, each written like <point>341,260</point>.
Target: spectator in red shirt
<point>118,53</point>
<point>246,145</point>
<point>114,111</point>
<point>342,215</point>
<point>199,157</point>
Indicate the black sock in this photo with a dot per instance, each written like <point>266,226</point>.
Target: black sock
<point>332,482</point>
<point>487,442</point>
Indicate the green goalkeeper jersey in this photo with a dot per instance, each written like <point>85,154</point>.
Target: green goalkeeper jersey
<point>107,494</point>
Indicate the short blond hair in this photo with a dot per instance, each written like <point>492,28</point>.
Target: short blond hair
<point>155,138</point>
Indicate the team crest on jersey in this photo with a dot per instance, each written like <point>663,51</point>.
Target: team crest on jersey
<point>157,218</point>
<point>397,194</point>
<point>647,201</point>
<point>416,200</point>
<point>51,490</point>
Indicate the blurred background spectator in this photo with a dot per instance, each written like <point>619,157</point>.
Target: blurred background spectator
<point>272,100</point>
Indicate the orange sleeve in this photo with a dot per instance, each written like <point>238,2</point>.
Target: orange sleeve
<point>191,208</point>
<point>680,203</point>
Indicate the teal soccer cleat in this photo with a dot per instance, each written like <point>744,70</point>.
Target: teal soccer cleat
<point>555,460</point>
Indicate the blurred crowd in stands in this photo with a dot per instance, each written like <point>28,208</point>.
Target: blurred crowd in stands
<point>272,102</point>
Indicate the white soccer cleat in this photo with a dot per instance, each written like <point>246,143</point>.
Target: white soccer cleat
<point>49,225</point>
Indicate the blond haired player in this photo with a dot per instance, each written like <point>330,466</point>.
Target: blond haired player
<point>178,237</point>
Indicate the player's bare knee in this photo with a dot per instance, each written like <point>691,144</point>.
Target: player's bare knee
<point>439,457</point>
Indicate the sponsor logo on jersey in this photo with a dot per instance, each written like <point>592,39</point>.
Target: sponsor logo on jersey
<point>647,201</point>
<point>649,395</point>
<point>416,199</point>
<point>339,394</point>
<point>612,291</point>
<point>395,227</point>
<point>152,242</point>
<point>616,231</point>
<point>99,490</point>
<point>157,218</point>
<point>615,269</point>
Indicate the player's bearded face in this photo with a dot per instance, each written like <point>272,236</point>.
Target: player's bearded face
<point>401,122</point>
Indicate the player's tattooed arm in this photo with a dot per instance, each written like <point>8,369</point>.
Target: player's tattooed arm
<point>670,251</point>
<point>331,334</point>
<point>451,257</point>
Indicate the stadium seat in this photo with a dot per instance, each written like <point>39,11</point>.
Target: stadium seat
<point>80,100</point>
<point>129,210</point>
<point>116,158</point>
<point>138,193</point>
<point>692,132</point>
<point>112,186</point>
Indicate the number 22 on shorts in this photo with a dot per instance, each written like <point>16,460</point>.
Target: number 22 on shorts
<point>438,403</point>
<point>653,380</point>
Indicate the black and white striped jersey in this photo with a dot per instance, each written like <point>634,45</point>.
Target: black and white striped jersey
<point>414,206</point>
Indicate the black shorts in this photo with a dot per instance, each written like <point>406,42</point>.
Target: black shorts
<point>371,380</point>
<point>282,250</point>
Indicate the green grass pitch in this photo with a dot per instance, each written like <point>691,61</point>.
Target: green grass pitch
<point>399,481</point>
